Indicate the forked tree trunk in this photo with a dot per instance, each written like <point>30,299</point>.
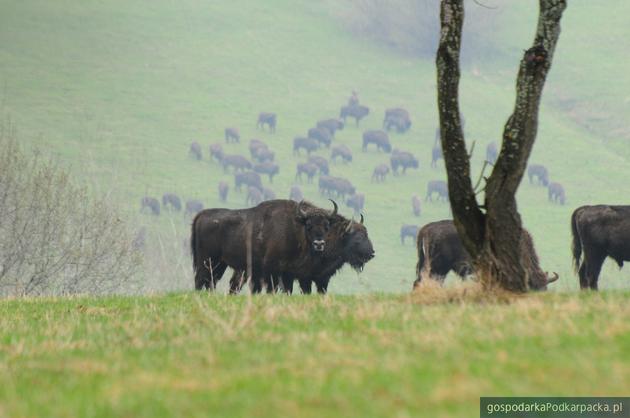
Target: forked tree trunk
<point>503,252</point>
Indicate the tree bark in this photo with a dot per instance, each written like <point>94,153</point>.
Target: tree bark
<point>502,251</point>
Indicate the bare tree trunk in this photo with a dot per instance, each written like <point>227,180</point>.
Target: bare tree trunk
<point>502,250</point>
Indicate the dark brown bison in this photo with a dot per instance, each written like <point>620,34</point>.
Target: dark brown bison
<point>195,150</point>
<point>415,205</point>
<point>333,125</point>
<point>248,178</point>
<point>268,168</point>
<point>216,152</point>
<point>492,153</point>
<point>309,169</point>
<point>404,160</point>
<point>539,172</point>
<point>378,138</point>
<point>397,118</point>
<point>268,194</point>
<point>254,196</point>
<point>341,151</point>
<point>193,207</point>
<point>599,231</point>
<point>408,231</point>
<point>268,119</point>
<point>555,193</point>
<point>357,112</point>
<point>320,162</point>
<point>171,201</point>
<point>437,186</point>
<point>379,173</point>
<point>308,144</point>
<point>296,194</point>
<point>150,203</point>
<point>436,155</point>
<point>223,190</point>
<point>335,186</point>
<point>274,239</point>
<point>232,134</point>
<point>440,251</point>
<point>239,163</point>
<point>356,202</point>
<point>321,135</point>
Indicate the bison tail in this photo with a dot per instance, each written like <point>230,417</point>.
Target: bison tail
<point>193,241</point>
<point>576,246</point>
<point>421,261</point>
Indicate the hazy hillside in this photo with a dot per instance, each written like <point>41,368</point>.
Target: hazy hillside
<point>119,90</point>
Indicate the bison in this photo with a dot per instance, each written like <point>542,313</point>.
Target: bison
<point>555,193</point>
<point>309,169</point>
<point>254,196</point>
<point>333,125</point>
<point>150,203</point>
<point>320,162</point>
<point>379,173</point>
<point>223,190</point>
<point>356,202</point>
<point>239,163</point>
<point>321,135</point>
<point>195,150</point>
<point>216,152</point>
<point>403,159</point>
<point>357,112</point>
<point>268,119</point>
<point>335,186</point>
<point>437,186</point>
<point>436,154</point>
<point>308,144</point>
<point>539,172</point>
<point>171,200</point>
<point>193,207</point>
<point>408,231</point>
<point>268,168</point>
<point>397,118</point>
<point>296,194</point>
<point>491,153</point>
<point>232,134</point>
<point>248,178</point>
<point>599,231</point>
<point>415,205</point>
<point>341,151</point>
<point>378,138</point>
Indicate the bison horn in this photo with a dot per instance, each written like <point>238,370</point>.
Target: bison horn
<point>301,211</point>
<point>334,212</point>
<point>552,279</point>
<point>361,219</point>
<point>349,226</point>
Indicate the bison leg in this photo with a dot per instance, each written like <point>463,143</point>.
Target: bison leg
<point>322,285</point>
<point>593,268</point>
<point>305,285</point>
<point>582,276</point>
<point>236,282</point>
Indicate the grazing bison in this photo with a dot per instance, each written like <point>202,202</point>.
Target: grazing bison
<point>309,169</point>
<point>232,134</point>
<point>436,154</point>
<point>296,194</point>
<point>437,186</point>
<point>320,162</point>
<point>237,161</point>
<point>357,112</point>
<point>254,196</point>
<point>555,193</point>
<point>356,202</point>
<point>193,207</point>
<point>216,152</point>
<point>491,153</point>
<point>195,150</point>
<point>333,125</point>
<point>402,159</point>
<point>150,203</point>
<point>268,194</point>
<point>379,173</point>
<point>335,186</point>
<point>397,118</point>
<point>275,238</point>
<point>308,144</point>
<point>268,119</point>
<point>223,190</point>
<point>264,155</point>
<point>539,172</point>
<point>254,145</point>
<point>321,135</point>
<point>415,205</point>
<point>599,231</point>
<point>171,200</point>
<point>378,138</point>
<point>268,168</point>
<point>440,250</point>
<point>248,178</point>
<point>341,151</point>
<point>408,231</point>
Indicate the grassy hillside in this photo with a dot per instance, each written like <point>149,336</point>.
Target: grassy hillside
<point>370,356</point>
<point>119,90</point>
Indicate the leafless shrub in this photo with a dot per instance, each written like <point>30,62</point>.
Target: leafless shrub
<point>56,238</point>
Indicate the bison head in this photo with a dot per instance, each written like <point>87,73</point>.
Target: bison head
<point>357,247</point>
<point>316,224</point>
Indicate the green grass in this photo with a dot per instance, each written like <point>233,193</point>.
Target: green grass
<point>119,89</point>
<point>367,356</point>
